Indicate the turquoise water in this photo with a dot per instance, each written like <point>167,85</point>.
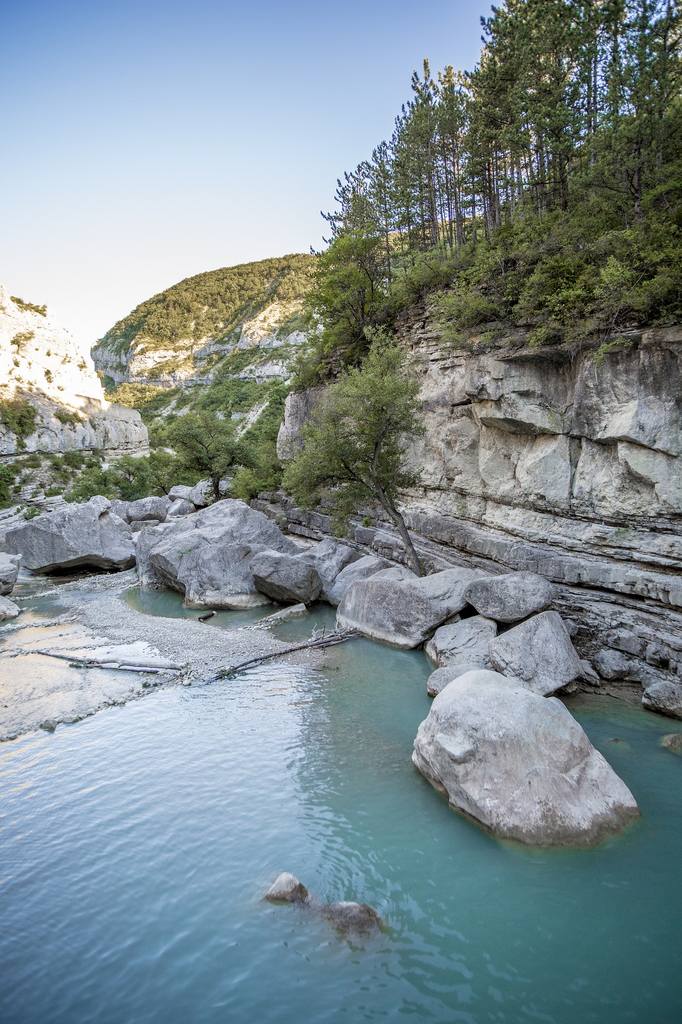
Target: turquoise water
<point>135,847</point>
<point>168,604</point>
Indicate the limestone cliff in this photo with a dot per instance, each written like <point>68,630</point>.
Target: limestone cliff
<point>42,364</point>
<point>566,463</point>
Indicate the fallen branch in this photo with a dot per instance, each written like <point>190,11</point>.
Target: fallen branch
<point>317,643</point>
<point>122,666</point>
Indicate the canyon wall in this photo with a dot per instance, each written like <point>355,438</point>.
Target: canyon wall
<point>565,463</point>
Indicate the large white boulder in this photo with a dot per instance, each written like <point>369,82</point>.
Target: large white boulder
<point>330,557</point>
<point>87,535</point>
<point>538,652</point>
<point>511,597</point>
<point>519,764</point>
<point>442,677</point>
<point>361,569</point>
<point>207,556</point>
<point>9,570</point>
<point>285,577</point>
<point>463,641</point>
<point>400,608</point>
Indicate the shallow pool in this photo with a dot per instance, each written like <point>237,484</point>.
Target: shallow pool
<point>135,848</point>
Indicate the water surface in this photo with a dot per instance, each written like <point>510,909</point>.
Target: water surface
<point>135,847</point>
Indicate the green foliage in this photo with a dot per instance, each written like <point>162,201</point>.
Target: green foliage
<point>68,417</point>
<point>264,472</point>
<point>128,478</point>
<point>354,450</point>
<point>28,307</point>
<point>18,416</point>
<point>8,474</point>
<point>212,304</point>
<point>207,446</point>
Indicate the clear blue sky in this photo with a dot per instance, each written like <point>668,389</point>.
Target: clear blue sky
<point>146,141</point>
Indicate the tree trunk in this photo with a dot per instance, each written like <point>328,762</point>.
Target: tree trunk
<point>399,523</point>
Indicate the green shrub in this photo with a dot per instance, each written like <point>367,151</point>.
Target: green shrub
<point>18,417</point>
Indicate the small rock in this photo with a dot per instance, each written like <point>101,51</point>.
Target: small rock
<point>8,609</point>
<point>672,742</point>
<point>181,491</point>
<point>179,507</point>
<point>287,889</point>
<point>510,597</point>
<point>9,570</point>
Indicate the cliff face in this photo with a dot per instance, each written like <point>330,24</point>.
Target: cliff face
<point>42,364</point>
<point>566,465</point>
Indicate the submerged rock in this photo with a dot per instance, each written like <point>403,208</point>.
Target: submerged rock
<point>539,653</point>
<point>287,889</point>
<point>8,609</point>
<point>672,742</point>
<point>511,597</point>
<point>665,697</point>
<point>87,535</point>
<point>9,570</point>
<point>519,764</point>
<point>466,640</point>
<point>285,577</point>
<point>347,917</point>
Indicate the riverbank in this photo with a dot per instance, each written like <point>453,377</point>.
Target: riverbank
<point>87,616</point>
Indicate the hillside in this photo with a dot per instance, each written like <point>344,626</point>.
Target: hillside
<point>186,333</point>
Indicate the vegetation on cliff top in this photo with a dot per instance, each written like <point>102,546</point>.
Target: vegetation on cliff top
<point>211,305</point>
<point>540,190</point>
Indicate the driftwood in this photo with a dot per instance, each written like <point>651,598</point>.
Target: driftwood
<point>315,644</point>
<point>121,666</point>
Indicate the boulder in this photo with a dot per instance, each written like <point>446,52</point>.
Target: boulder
<point>145,541</point>
<point>207,556</point>
<point>511,597</point>
<point>519,764</point>
<point>361,569</point>
<point>153,507</point>
<point>665,697</point>
<point>287,889</point>
<point>347,916</point>
<point>466,640</point>
<point>450,586</point>
<point>179,507</point>
<point>440,678</point>
<point>201,494</point>
<point>120,508</point>
<point>9,570</point>
<point>8,609</point>
<point>400,608</point>
<point>181,491</point>
<point>285,577</point>
<point>329,557</point>
<point>538,652</point>
<point>87,535</point>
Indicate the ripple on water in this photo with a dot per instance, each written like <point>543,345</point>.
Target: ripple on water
<point>136,845</point>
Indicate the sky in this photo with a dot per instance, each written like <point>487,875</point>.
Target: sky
<point>148,141</point>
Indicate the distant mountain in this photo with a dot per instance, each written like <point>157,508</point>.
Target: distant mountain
<point>186,333</point>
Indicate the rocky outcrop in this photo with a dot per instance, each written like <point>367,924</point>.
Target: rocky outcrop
<point>519,764</point>
<point>207,556</point>
<point>42,364</point>
<point>88,535</point>
<point>555,462</point>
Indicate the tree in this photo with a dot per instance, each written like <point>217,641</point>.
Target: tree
<point>208,445</point>
<point>354,450</point>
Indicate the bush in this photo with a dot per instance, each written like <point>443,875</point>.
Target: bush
<point>18,417</point>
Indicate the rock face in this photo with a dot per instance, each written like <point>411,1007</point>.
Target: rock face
<point>510,597</point>
<point>556,463</point>
<point>207,556</point>
<point>519,764</point>
<point>464,641</point>
<point>285,577</point>
<point>8,609</point>
<point>42,364</point>
<point>299,408</point>
<point>402,611</point>
<point>538,652</point>
<point>9,570</point>
<point>88,535</point>
<point>287,889</point>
